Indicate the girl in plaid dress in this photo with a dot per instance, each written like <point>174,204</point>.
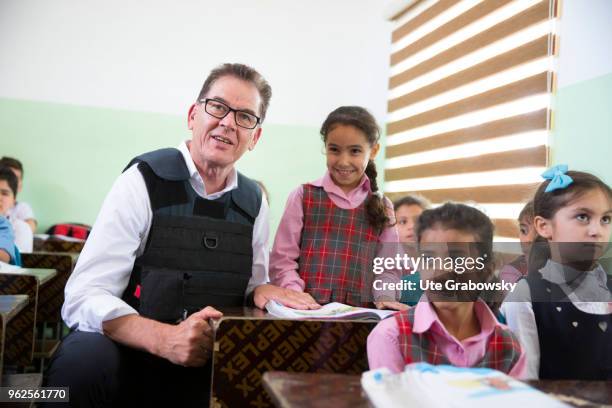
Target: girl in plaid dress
<point>449,327</point>
<point>332,227</point>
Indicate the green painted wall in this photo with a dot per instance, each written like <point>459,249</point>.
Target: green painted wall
<point>72,154</point>
<point>582,128</point>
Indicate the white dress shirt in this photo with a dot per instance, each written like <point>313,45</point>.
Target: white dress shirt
<point>119,235</point>
<point>24,238</point>
<point>22,211</point>
<point>519,314</point>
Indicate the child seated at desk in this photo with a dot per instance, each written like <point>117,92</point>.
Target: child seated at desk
<point>23,236</point>
<point>21,210</point>
<point>449,326</point>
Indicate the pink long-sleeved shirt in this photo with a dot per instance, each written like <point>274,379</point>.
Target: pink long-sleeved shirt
<point>384,348</point>
<point>286,249</point>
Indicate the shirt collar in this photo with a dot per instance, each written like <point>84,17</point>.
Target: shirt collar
<point>557,273</point>
<point>425,318</point>
<point>194,174</point>
<point>330,187</point>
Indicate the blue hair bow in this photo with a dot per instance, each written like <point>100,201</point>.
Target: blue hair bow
<point>558,178</point>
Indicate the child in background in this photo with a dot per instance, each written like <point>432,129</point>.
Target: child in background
<point>21,210</point>
<point>451,327</point>
<point>562,312</point>
<point>516,269</point>
<point>24,239</point>
<point>331,228</point>
<point>407,211</point>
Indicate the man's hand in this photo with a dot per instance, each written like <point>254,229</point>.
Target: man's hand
<point>288,297</point>
<point>391,305</point>
<point>190,342</point>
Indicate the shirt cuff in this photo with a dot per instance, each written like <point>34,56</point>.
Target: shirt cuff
<point>98,309</point>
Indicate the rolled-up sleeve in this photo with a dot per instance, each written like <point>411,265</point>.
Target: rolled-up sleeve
<point>93,292</point>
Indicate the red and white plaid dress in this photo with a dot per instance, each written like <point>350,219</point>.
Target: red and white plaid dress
<point>502,353</point>
<point>336,251</point>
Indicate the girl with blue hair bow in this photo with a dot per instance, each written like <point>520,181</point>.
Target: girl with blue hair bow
<point>562,311</point>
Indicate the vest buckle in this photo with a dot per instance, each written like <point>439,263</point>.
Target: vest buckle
<point>210,240</point>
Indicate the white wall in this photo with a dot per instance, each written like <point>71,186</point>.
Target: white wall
<point>154,55</point>
<point>585,40</point>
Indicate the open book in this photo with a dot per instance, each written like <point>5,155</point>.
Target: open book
<point>333,310</point>
<point>426,385</point>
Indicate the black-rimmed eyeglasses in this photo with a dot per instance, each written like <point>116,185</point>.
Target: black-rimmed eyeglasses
<point>220,110</point>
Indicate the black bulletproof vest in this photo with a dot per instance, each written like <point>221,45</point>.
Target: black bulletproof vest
<point>573,344</point>
<point>199,252</point>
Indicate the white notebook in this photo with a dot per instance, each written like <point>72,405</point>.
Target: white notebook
<point>426,385</point>
<point>333,310</point>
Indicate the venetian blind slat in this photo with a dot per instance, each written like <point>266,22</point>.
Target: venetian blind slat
<point>535,120</point>
<point>406,10</point>
<point>534,156</point>
<point>422,18</point>
<point>486,194</point>
<point>505,227</point>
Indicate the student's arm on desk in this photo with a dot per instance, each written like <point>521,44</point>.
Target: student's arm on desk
<point>285,296</point>
<point>286,249</point>
<point>4,256</point>
<point>188,343</point>
<point>286,285</point>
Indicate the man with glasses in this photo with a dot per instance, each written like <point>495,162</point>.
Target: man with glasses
<point>181,232</point>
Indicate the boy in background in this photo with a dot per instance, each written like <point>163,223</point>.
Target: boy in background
<point>21,210</point>
<point>23,236</point>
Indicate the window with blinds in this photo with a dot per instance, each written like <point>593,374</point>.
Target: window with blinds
<point>469,103</point>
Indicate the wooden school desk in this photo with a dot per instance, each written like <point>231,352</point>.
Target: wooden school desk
<point>10,306</point>
<point>19,346</point>
<point>292,390</point>
<point>57,245</point>
<point>50,301</point>
<point>249,342</point>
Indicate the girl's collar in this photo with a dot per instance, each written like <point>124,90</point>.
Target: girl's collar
<point>329,186</point>
<point>563,274</point>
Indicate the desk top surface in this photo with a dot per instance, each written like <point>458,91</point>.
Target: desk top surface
<point>73,255</point>
<point>256,313</point>
<point>10,305</point>
<point>43,275</point>
<point>344,391</point>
